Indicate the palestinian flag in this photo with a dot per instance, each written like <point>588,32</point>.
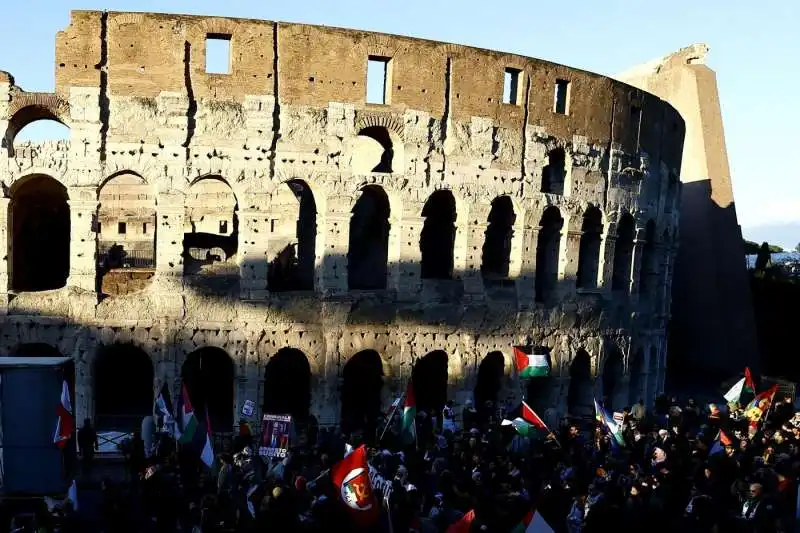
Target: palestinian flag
<point>720,443</point>
<point>533,522</point>
<point>191,431</point>
<point>463,524</point>
<point>65,423</point>
<point>528,423</point>
<point>529,364</point>
<point>162,408</point>
<point>409,426</point>
<point>742,388</point>
<point>350,476</point>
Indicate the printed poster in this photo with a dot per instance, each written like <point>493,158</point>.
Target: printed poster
<point>275,431</point>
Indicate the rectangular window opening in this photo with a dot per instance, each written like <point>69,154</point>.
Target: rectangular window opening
<point>218,53</point>
<point>122,228</point>
<point>511,86</point>
<point>378,83</point>
<point>561,100</point>
<point>144,228</point>
<point>223,226</point>
<point>636,123</point>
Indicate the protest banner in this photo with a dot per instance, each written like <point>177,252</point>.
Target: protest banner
<point>275,431</point>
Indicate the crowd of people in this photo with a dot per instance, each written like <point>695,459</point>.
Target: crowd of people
<point>673,467</point>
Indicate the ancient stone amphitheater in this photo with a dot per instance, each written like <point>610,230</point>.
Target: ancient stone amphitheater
<point>328,214</point>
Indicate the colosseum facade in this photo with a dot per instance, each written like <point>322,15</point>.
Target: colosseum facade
<point>287,232</point>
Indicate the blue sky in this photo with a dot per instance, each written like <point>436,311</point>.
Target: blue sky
<point>754,50</point>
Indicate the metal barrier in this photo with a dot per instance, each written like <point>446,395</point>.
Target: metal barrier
<point>130,259</point>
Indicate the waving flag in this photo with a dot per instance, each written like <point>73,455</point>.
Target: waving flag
<point>528,424</point>
<point>192,431</point>
<point>720,443</point>
<point>350,476</point>
<point>409,426</point>
<point>530,365</point>
<point>463,524</point>
<point>65,424</point>
<point>608,422</point>
<point>743,387</point>
<point>533,522</point>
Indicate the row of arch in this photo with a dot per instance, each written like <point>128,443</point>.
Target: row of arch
<point>123,379</point>
<point>125,228</point>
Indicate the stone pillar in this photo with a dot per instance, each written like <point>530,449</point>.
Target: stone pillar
<point>475,238</point>
<point>636,263</point>
<point>337,242</point>
<point>254,378</point>
<point>84,398</point>
<point>526,288</point>
<point>570,257</point>
<point>83,246</point>
<point>410,257</point>
<point>168,280</point>
<point>394,250</point>
<point>5,243</point>
<point>253,259</point>
<point>461,242</point>
<point>607,262</point>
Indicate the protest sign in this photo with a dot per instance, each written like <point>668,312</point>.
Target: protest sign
<point>275,431</point>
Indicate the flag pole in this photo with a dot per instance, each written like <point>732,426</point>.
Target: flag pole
<point>391,416</point>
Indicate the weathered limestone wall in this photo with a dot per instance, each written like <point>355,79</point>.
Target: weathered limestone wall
<point>713,313</point>
<point>134,92</point>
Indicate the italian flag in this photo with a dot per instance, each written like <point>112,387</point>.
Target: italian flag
<point>529,364</point>
<point>65,424</point>
<point>741,387</point>
<point>191,431</point>
<point>533,523</point>
<point>528,424</point>
<point>409,426</point>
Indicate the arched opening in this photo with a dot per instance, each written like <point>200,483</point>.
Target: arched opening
<point>554,173</point>
<point>34,124</point>
<point>293,242</point>
<point>438,235</point>
<point>429,377</point>
<point>653,381</point>
<point>40,221</point>
<point>589,254</point>
<point>580,397</point>
<point>208,374</point>
<point>547,252</point>
<point>362,383</point>
<point>123,387</point>
<point>368,251</point>
<point>648,271</point>
<point>126,235</point>
<point>623,254</point>
<point>287,384</point>
<point>496,257</point>
<point>612,375</point>
<point>380,135</point>
<point>637,378</point>
<point>211,235</point>
<point>490,379</point>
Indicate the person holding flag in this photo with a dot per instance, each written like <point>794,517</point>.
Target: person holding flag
<point>608,423</point>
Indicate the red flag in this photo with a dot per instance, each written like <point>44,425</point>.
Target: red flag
<point>530,416</point>
<point>65,424</point>
<point>463,524</point>
<point>748,380</point>
<point>351,478</point>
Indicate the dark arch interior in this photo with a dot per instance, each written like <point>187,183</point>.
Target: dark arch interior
<point>589,255</point>
<point>623,254</point>
<point>497,242</point>
<point>637,377</point>
<point>293,268</point>
<point>438,235</point>
<point>40,221</point>
<point>579,394</point>
<point>123,385</point>
<point>547,251</point>
<point>648,269</point>
<point>429,378</point>
<point>208,374</point>
<point>381,134</point>
<point>612,372</point>
<point>369,240</point>
<point>554,172</point>
<point>287,384</point>
<point>362,382</point>
<point>490,379</point>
